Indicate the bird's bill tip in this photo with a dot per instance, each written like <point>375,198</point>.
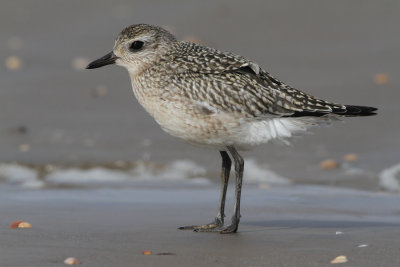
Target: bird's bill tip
<point>108,59</point>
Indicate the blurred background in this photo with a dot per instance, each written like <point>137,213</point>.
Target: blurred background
<point>55,115</point>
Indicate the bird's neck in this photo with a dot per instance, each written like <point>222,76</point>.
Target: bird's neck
<point>136,70</point>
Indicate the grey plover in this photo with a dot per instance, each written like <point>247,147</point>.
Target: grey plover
<point>216,99</point>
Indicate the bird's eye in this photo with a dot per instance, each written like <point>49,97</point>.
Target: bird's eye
<point>136,45</point>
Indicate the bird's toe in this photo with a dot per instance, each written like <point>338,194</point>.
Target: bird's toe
<point>216,224</point>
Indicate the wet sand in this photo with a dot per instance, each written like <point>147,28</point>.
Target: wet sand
<point>283,226</point>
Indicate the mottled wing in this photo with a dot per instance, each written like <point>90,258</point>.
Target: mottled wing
<point>233,83</point>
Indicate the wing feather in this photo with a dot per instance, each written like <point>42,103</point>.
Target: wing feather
<point>232,83</point>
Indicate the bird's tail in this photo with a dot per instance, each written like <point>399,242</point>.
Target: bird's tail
<point>352,110</point>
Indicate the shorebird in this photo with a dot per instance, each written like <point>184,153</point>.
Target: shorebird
<point>215,99</point>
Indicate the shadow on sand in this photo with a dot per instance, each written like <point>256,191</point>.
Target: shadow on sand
<point>294,224</point>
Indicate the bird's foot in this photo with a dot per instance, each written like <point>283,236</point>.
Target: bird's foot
<point>210,227</point>
<point>216,227</point>
<point>231,228</point>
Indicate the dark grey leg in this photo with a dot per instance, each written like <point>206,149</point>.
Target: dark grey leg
<point>219,220</point>
<point>226,169</point>
<point>239,167</point>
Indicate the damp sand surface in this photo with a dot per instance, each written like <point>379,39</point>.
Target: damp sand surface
<point>282,226</point>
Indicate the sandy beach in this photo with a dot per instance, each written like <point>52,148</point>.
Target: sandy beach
<point>98,179</point>
<point>282,226</point>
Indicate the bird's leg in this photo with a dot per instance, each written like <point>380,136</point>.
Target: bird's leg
<point>219,220</point>
<point>239,167</point>
<point>226,169</point>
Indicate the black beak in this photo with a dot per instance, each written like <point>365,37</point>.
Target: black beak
<point>106,60</point>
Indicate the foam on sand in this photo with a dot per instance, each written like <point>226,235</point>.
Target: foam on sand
<point>389,178</point>
<point>175,171</point>
<point>35,177</point>
<point>182,171</point>
<point>94,175</point>
<point>261,174</point>
<point>20,175</point>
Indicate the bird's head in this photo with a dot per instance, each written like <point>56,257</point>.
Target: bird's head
<point>136,48</point>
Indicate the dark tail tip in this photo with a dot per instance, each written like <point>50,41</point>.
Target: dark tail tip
<point>359,111</point>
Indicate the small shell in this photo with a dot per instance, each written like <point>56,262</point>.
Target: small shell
<point>146,252</point>
<point>339,259</point>
<point>24,225</point>
<point>381,78</point>
<point>24,147</point>
<point>329,164</point>
<point>14,63</point>
<point>350,157</point>
<point>71,261</point>
<point>80,63</point>
<point>15,224</point>
<point>20,224</point>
